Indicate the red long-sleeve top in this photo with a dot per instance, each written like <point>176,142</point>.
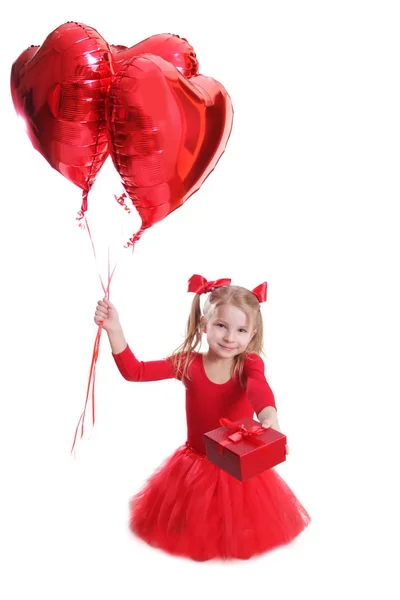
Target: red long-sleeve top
<point>206,401</point>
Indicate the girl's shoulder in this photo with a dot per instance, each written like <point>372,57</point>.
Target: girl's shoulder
<point>252,356</point>
<point>253,361</point>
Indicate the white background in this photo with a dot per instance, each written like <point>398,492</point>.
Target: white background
<point>306,196</point>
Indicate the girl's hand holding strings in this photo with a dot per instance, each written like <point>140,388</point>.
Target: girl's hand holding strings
<point>107,314</point>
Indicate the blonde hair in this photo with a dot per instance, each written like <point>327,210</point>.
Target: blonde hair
<point>234,295</point>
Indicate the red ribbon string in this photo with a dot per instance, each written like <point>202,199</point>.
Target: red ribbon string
<point>95,353</point>
<point>106,290</point>
<point>90,387</point>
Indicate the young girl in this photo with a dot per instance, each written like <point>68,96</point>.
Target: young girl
<point>190,507</point>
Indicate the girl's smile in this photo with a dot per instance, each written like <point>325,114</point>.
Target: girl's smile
<point>226,348</point>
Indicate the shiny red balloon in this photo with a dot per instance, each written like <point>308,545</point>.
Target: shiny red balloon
<point>81,98</point>
<point>167,133</point>
<point>172,48</point>
<point>60,89</point>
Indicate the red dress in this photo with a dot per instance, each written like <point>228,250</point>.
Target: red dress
<point>190,507</point>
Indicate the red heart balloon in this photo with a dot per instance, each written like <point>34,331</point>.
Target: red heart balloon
<point>167,133</point>
<point>60,90</point>
<point>172,48</point>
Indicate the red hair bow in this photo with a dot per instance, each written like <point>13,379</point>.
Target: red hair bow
<point>200,285</point>
<point>260,292</point>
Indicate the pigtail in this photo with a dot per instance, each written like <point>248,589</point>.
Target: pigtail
<point>183,355</point>
<point>194,321</point>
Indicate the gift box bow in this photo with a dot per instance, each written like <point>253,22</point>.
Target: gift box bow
<point>239,433</point>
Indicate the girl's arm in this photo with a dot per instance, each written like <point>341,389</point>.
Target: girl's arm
<point>257,388</point>
<point>261,394</point>
<point>117,340</point>
<point>269,414</point>
<point>133,369</point>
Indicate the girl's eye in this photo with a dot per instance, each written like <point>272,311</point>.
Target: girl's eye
<point>242,330</point>
<point>220,325</point>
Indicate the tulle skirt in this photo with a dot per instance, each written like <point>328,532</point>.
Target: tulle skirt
<point>191,508</point>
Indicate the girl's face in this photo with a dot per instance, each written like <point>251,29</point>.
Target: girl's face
<point>228,331</point>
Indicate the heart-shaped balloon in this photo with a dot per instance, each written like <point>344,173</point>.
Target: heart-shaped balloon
<point>172,48</point>
<point>60,90</point>
<point>167,133</point>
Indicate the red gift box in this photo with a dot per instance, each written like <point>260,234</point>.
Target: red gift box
<point>244,448</point>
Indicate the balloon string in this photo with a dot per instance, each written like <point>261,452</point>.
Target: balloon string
<point>90,387</point>
<point>106,290</point>
<point>96,347</point>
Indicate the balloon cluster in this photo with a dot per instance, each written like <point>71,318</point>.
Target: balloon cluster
<point>164,125</point>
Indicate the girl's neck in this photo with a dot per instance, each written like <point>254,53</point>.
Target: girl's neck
<point>213,359</point>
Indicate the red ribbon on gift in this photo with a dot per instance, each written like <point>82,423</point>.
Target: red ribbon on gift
<point>240,432</point>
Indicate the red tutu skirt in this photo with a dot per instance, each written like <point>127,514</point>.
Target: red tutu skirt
<point>191,508</point>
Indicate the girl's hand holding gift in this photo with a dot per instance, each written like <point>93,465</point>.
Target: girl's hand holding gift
<point>274,425</point>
